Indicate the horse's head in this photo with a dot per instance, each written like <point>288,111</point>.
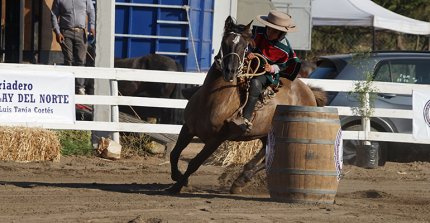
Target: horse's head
<point>233,48</point>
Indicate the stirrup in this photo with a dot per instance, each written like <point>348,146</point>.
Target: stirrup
<point>247,125</point>
<point>244,124</point>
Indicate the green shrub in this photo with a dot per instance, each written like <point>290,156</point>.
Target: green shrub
<point>75,142</point>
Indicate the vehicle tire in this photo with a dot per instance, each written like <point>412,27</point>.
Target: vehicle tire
<point>350,148</point>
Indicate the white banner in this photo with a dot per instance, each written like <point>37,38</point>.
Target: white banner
<point>35,96</point>
<point>421,110</point>
<point>338,153</point>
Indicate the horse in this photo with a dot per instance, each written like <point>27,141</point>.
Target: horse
<point>211,108</point>
<point>148,89</point>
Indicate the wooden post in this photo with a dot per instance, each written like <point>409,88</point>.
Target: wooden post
<point>105,31</point>
<point>366,120</point>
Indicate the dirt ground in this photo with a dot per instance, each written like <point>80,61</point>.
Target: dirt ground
<point>82,189</point>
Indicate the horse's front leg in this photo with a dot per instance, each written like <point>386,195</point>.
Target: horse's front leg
<point>251,168</point>
<point>184,139</point>
<point>194,164</point>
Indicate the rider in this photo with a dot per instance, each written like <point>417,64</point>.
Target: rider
<point>272,44</point>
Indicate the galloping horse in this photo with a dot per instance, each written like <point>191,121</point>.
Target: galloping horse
<point>209,111</point>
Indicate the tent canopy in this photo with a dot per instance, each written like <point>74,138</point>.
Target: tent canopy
<point>364,13</point>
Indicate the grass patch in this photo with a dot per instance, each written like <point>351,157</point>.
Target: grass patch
<point>78,143</point>
<point>75,142</point>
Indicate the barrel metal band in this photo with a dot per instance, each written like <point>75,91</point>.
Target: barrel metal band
<point>305,141</point>
<point>304,172</point>
<point>303,201</point>
<point>322,120</point>
<point>305,191</point>
<point>306,108</point>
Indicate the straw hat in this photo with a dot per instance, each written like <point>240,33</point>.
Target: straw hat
<point>278,20</point>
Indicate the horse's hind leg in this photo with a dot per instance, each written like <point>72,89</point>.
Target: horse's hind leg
<point>184,139</point>
<point>249,170</point>
<point>195,163</point>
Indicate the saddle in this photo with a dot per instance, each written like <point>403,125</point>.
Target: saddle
<point>265,97</point>
<point>268,94</point>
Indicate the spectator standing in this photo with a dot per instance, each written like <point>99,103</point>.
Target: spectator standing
<point>69,19</point>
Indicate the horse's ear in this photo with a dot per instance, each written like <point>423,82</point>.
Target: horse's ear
<point>248,27</point>
<point>229,22</point>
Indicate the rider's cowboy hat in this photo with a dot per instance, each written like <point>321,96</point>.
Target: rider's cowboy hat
<point>278,20</point>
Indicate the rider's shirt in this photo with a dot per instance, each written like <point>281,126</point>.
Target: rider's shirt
<point>69,14</point>
<point>279,53</point>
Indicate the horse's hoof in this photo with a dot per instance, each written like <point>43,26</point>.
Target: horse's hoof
<point>235,190</point>
<point>175,189</point>
<point>176,177</point>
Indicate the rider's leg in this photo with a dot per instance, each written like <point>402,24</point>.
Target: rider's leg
<point>256,87</point>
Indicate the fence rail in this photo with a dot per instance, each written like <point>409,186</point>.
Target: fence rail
<point>116,74</point>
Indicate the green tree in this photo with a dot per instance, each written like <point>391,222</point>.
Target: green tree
<point>416,9</point>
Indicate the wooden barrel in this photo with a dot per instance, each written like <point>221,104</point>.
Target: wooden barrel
<point>302,160</point>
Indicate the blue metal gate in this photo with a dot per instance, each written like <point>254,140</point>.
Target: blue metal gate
<point>163,27</point>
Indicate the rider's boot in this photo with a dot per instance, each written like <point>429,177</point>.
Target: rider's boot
<point>244,122</point>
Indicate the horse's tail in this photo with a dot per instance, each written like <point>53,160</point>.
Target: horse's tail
<point>320,96</point>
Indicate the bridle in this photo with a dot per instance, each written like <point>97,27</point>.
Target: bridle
<point>221,58</point>
<point>244,69</point>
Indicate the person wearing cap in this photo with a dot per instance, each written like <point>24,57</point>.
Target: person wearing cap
<point>271,42</point>
<point>69,18</point>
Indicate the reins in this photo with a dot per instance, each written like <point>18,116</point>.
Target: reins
<point>248,71</point>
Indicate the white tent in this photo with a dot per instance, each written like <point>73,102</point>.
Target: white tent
<point>364,13</point>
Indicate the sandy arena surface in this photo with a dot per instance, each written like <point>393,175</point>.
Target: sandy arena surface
<point>82,189</point>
